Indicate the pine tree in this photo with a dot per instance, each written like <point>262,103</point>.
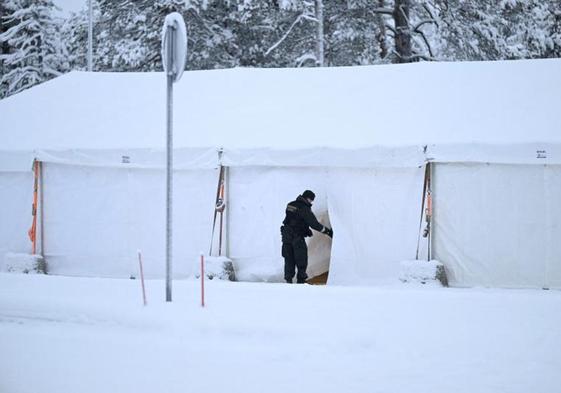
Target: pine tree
<point>115,30</point>
<point>402,29</point>
<point>352,34</point>
<point>74,35</point>
<point>530,30</point>
<point>555,30</point>
<point>490,30</point>
<point>4,47</point>
<point>274,33</point>
<point>36,54</point>
<point>127,34</point>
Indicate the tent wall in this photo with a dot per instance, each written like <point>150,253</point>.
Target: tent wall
<point>257,202</point>
<point>183,158</point>
<point>16,196</point>
<point>552,183</point>
<point>97,218</point>
<point>494,225</point>
<point>498,225</point>
<point>375,215</point>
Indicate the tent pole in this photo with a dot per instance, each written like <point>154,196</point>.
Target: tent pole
<point>221,232</point>
<point>217,204</point>
<point>429,240</point>
<point>33,231</point>
<point>42,210</point>
<point>423,195</point>
<point>227,211</point>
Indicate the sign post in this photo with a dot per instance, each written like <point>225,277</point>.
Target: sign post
<point>90,36</point>
<point>174,54</point>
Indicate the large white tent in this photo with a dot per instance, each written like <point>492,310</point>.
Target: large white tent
<point>359,137</point>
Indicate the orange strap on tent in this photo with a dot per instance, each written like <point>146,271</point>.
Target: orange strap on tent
<point>428,210</point>
<point>428,214</point>
<point>32,233</point>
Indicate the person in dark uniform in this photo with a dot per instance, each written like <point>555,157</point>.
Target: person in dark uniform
<point>296,227</point>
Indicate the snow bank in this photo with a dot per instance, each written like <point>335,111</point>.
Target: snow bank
<point>424,272</point>
<point>220,268</point>
<point>24,263</point>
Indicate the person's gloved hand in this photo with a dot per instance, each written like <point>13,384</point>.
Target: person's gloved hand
<point>328,231</point>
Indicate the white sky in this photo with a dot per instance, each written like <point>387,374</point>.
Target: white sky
<point>69,6</point>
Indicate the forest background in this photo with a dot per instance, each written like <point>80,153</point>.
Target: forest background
<point>38,42</point>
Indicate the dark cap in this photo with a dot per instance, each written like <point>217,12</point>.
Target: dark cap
<point>309,195</point>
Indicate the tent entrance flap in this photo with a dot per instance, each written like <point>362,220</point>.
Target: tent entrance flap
<point>319,251</point>
<point>375,217</point>
<point>319,280</point>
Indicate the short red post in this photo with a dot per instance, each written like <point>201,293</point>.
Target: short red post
<point>202,280</point>
<point>142,277</point>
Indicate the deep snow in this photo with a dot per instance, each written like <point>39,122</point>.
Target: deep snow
<point>62,334</point>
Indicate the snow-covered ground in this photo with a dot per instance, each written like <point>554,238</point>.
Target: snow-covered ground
<point>61,334</point>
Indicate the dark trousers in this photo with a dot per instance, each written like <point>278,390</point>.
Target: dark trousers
<point>295,255</point>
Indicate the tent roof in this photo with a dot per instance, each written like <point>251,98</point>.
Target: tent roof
<point>464,111</point>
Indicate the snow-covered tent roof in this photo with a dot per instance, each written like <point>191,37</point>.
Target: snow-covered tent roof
<point>505,111</point>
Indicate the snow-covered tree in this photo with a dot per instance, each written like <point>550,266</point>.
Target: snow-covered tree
<point>529,32</point>
<point>404,28</point>
<point>213,33</point>
<point>494,30</point>
<point>74,34</point>
<point>121,35</point>
<point>4,47</point>
<point>35,50</point>
<point>555,30</point>
<point>352,34</point>
<point>273,33</point>
<point>299,38</point>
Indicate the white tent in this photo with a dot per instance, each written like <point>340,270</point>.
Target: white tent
<point>359,137</point>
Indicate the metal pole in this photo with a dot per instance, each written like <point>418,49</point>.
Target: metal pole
<point>142,278</point>
<point>227,210</point>
<point>41,211</point>
<point>320,44</point>
<point>202,280</point>
<point>430,223</point>
<point>90,36</point>
<point>169,173</point>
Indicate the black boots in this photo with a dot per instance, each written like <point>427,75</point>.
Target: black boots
<point>298,281</point>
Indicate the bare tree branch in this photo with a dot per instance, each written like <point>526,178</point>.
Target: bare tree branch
<point>427,44</point>
<point>298,20</point>
<point>422,57</point>
<point>391,28</point>
<point>428,11</point>
<point>424,22</point>
<point>382,10</point>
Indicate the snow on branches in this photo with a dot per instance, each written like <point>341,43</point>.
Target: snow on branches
<point>32,50</point>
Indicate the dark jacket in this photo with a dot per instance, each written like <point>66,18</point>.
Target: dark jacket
<point>299,218</point>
